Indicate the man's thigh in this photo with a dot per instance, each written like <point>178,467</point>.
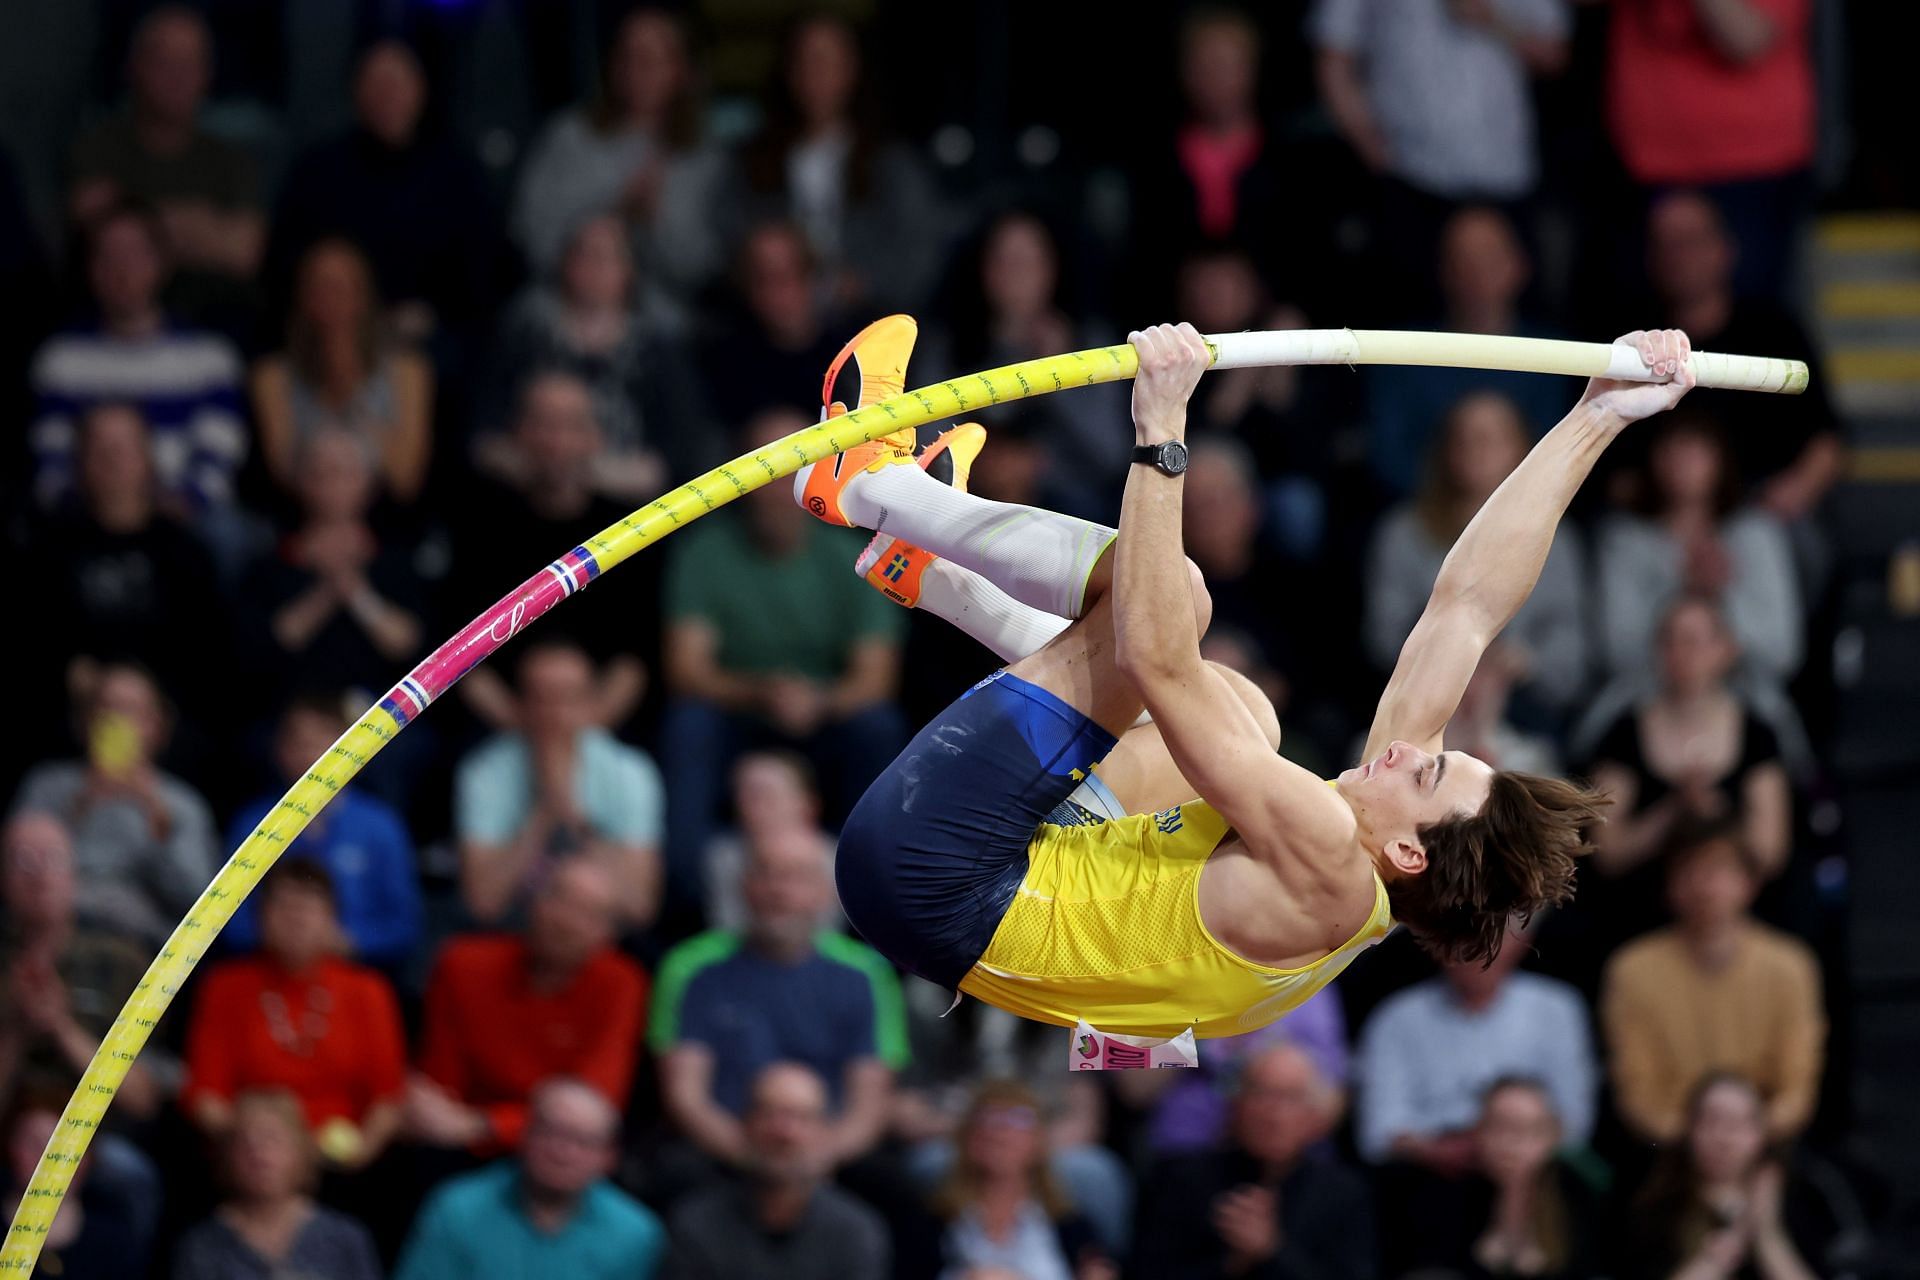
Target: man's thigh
<point>1079,667</point>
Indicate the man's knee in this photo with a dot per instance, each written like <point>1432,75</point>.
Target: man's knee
<point>1257,702</point>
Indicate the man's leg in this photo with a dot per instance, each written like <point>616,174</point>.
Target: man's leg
<point>1140,771</point>
<point>1055,564</point>
<point>957,595</point>
<point>1041,558</point>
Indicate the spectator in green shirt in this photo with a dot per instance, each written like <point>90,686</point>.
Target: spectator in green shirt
<point>771,639</point>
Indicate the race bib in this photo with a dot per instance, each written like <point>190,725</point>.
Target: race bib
<point>1104,1051</point>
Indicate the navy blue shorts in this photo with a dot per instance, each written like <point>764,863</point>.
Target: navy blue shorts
<point>933,854</point>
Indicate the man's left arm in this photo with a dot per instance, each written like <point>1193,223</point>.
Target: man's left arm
<point>628,824</point>
<point>871,1035</point>
<point>866,1095</point>
<point>1496,561</point>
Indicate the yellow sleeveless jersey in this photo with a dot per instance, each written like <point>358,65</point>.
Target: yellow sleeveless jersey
<point>1107,927</point>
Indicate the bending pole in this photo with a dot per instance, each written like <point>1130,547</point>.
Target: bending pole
<point>578,568</point>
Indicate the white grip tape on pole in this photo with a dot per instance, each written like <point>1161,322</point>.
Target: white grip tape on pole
<point>1486,351</point>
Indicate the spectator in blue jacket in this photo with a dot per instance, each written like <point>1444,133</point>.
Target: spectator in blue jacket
<point>360,840</point>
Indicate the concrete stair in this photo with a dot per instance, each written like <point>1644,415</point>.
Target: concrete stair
<point>1865,270</point>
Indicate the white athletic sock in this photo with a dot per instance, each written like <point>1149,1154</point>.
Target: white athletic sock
<point>1040,558</point>
<point>985,612</point>
<point>962,597</point>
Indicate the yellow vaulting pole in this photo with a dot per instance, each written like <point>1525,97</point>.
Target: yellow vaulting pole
<point>415,692</point>
<point>601,553</point>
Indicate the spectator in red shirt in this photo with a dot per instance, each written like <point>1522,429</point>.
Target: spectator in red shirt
<point>298,1017</point>
<point>1740,74</point>
<point>504,1013</point>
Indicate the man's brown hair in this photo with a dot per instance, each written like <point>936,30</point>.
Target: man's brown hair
<point>1511,859</point>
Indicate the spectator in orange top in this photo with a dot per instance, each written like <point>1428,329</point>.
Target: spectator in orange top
<point>504,1013</point>
<point>298,1017</point>
<point>1714,991</point>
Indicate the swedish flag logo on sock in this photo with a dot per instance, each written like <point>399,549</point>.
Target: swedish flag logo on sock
<point>896,568</point>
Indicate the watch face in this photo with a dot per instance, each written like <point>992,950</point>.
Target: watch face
<point>1173,457</point>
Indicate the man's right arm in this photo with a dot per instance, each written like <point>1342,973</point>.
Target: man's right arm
<point>1214,739</point>
<point>686,1092</point>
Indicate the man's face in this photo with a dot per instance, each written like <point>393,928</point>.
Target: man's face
<point>131,696</point>
<point>1485,441</point>
<point>1018,272</point>
<point>574,916</point>
<point>648,65</point>
<point>390,94</point>
<point>1695,650</point>
<point>770,795</point>
<point>1282,1107</point>
<point>556,694</point>
<point>1686,467</point>
<point>786,1125</point>
<point>786,886</point>
<point>1710,887</point>
<point>1219,292</point>
<point>557,430</point>
<point>569,1143</point>
<point>266,1154</point>
<point>1403,789</point>
<point>336,480</point>
<point>824,70</point>
<point>37,872</point>
<point>297,925</point>
<point>1481,262</point>
<point>170,68</point>
<point>1689,254</point>
<point>598,268</point>
<point>1222,511</point>
<point>1219,70</point>
<point>305,736</point>
<point>770,509</point>
<point>779,281</point>
<point>126,269</point>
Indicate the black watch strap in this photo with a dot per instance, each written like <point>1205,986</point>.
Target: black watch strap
<point>1169,456</point>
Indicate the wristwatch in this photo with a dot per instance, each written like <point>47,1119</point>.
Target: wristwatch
<point>1170,456</point>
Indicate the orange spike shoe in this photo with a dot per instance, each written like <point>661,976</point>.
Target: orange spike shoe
<point>880,353</point>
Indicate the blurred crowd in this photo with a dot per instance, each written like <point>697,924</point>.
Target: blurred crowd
<point>559,987</point>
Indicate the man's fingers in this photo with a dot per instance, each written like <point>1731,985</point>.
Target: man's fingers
<point>1165,348</point>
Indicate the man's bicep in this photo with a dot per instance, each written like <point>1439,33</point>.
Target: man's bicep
<point>1428,680</point>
